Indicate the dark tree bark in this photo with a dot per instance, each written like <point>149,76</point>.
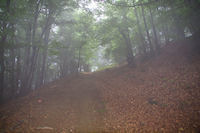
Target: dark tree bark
<point>2,69</point>
<point>2,50</point>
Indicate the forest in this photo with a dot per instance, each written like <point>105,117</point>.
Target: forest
<point>43,42</point>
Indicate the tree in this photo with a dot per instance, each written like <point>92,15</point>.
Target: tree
<point>4,32</point>
<point>41,40</point>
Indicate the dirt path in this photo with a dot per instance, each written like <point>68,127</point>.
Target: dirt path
<point>89,104</point>
<point>83,99</point>
<point>75,106</point>
<point>162,95</point>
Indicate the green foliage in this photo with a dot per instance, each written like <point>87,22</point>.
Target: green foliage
<point>106,67</point>
<point>61,37</point>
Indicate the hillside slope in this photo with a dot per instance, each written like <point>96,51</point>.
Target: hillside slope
<point>159,95</point>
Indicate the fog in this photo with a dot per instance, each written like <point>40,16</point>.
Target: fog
<point>114,41</point>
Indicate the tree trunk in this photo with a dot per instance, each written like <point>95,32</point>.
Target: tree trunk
<point>38,71</point>
<point>129,51</point>
<point>2,70</point>
<point>147,31</point>
<point>12,73</point>
<point>154,30</point>
<point>2,66</point>
<point>140,33</point>
<point>79,58</point>
<point>177,23</point>
<point>46,41</point>
<point>27,82</point>
<point>33,67</point>
<point>26,66</point>
<point>35,49</point>
<point>165,30</point>
<point>166,34</point>
<point>2,50</point>
<point>18,71</point>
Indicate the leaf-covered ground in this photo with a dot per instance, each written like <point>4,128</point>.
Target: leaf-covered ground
<point>161,95</point>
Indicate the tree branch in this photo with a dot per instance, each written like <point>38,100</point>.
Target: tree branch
<point>134,5</point>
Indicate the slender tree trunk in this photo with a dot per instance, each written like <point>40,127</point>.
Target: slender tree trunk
<point>165,32</point>
<point>35,49</point>
<point>146,28</point>
<point>2,66</point>
<point>38,71</point>
<point>33,67</point>
<point>26,67</point>
<point>43,70</point>
<point>46,41</point>
<point>2,69</point>
<point>140,33</point>
<point>177,23</point>
<point>154,30</point>
<point>2,50</point>
<point>130,57</point>
<point>18,71</point>
<point>12,73</point>
<point>27,83</point>
<point>79,58</point>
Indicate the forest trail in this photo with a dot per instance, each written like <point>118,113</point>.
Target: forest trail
<point>72,106</point>
<point>159,95</point>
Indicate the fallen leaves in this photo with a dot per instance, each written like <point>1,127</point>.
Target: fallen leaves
<point>160,96</point>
